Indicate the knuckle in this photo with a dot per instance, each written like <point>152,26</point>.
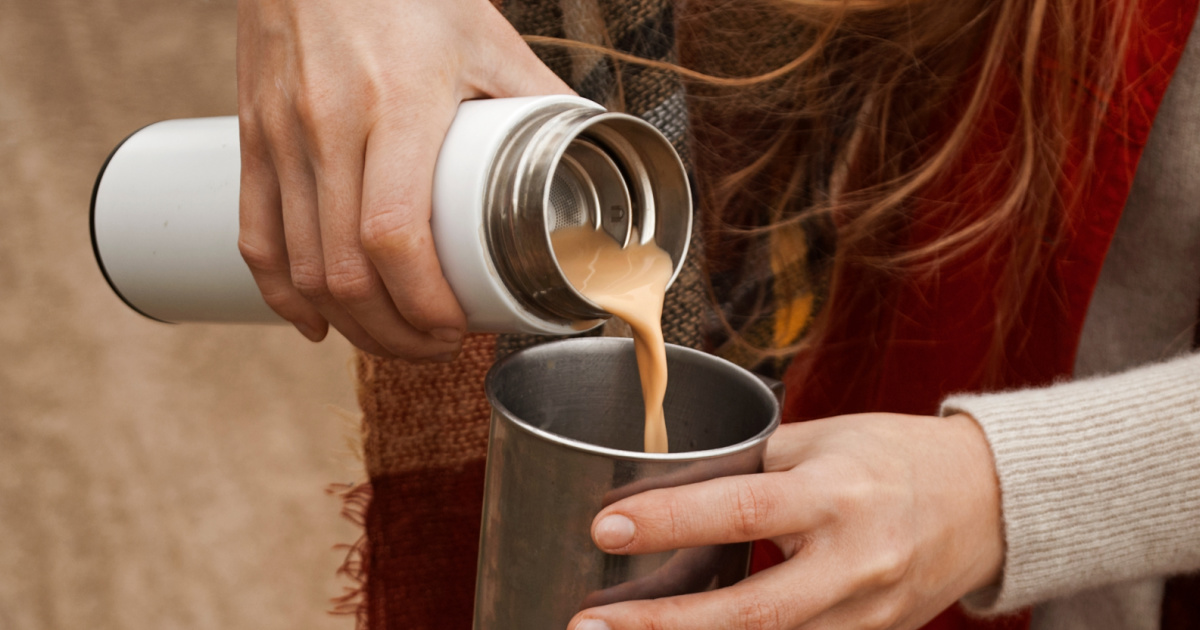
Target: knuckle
<point>259,255</point>
<point>753,612</point>
<point>753,508</point>
<point>315,106</point>
<point>854,495</point>
<point>250,132</point>
<point>309,280</point>
<point>882,615</point>
<point>273,128</point>
<point>322,116</point>
<point>389,234</point>
<point>249,108</point>
<point>246,109</point>
<point>890,566</point>
<point>254,147</point>
<point>350,282</point>
<point>792,544</point>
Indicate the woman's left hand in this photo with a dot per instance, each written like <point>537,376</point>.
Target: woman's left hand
<point>885,521</point>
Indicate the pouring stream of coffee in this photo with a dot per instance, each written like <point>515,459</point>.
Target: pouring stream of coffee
<point>630,283</point>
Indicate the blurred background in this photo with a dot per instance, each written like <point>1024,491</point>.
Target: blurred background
<point>151,476</point>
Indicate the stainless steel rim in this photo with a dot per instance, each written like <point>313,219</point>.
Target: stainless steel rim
<point>517,215</point>
<point>583,346</point>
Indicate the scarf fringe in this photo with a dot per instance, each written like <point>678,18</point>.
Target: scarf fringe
<point>356,498</point>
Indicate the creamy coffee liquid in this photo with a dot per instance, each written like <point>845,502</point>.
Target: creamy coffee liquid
<point>629,283</point>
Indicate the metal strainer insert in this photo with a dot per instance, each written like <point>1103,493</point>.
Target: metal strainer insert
<point>567,203</point>
<point>588,188</point>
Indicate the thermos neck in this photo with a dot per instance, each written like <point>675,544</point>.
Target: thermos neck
<point>570,165</point>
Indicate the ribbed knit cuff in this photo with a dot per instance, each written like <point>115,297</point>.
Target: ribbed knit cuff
<point>1099,481</point>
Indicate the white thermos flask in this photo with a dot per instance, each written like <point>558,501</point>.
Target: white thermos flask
<point>164,216</point>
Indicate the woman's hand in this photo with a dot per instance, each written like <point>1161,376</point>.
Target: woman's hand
<point>886,520</point>
<point>343,107</point>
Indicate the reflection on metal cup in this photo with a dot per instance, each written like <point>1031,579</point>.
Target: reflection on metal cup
<point>566,438</point>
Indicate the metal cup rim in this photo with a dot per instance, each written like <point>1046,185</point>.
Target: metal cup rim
<point>618,454</point>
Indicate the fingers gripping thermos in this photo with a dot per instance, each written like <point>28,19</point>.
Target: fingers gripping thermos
<point>511,171</point>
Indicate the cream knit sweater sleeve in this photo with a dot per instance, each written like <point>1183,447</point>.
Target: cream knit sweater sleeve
<point>1099,480</point>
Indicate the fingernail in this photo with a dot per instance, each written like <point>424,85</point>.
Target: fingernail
<point>614,532</point>
<point>308,331</point>
<point>449,335</point>
<point>592,624</point>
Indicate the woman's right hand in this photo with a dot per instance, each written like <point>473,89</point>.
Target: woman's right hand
<point>343,107</point>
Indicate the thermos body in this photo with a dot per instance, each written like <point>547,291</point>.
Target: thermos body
<point>165,212</point>
<point>165,224</point>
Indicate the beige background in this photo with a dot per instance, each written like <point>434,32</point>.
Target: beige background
<point>151,476</point>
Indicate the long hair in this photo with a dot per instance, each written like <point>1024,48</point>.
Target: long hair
<point>851,116</point>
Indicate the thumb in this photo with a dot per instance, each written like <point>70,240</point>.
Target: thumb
<point>512,69</point>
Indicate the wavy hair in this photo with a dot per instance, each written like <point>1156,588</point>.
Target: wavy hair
<point>858,115</point>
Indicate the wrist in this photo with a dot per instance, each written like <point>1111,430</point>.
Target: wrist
<point>981,491</point>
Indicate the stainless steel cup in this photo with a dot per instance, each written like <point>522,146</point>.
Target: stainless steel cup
<point>566,440</point>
